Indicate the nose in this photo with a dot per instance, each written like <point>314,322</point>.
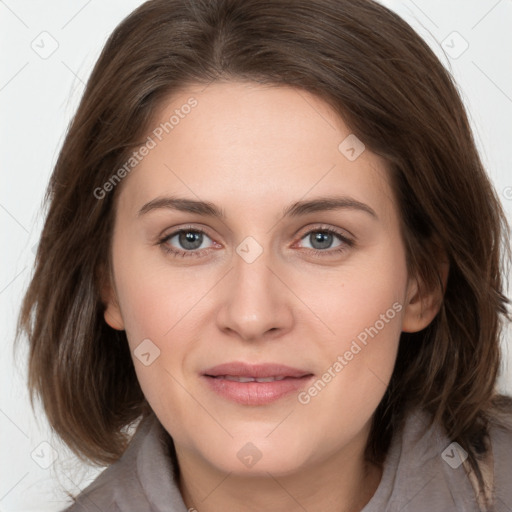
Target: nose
<point>257,303</point>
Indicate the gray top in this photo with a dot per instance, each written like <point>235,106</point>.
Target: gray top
<point>422,473</point>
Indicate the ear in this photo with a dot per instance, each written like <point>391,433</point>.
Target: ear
<point>420,309</point>
<point>112,312</point>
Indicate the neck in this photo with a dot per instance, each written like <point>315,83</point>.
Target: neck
<point>341,483</point>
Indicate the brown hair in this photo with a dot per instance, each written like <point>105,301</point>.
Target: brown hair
<point>394,94</point>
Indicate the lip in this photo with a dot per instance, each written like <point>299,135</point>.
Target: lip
<point>255,393</point>
<point>262,370</point>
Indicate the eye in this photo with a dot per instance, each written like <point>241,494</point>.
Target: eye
<point>190,239</point>
<point>322,239</point>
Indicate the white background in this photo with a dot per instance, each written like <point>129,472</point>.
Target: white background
<point>38,96</point>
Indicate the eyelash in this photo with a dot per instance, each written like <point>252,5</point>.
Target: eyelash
<point>347,243</point>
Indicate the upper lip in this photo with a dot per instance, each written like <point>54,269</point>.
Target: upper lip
<point>241,369</point>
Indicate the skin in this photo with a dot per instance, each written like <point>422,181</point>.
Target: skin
<point>252,150</point>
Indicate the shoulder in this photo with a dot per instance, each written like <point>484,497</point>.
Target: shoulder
<point>427,470</point>
<point>422,470</point>
<point>500,435</point>
<point>102,493</point>
<point>143,479</point>
<point>120,481</point>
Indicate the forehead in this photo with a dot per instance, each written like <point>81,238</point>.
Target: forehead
<point>253,147</point>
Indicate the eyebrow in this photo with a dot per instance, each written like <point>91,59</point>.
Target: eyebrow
<point>296,209</point>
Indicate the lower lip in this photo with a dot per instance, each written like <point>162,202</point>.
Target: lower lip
<point>256,393</point>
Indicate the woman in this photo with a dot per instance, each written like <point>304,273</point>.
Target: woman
<point>271,245</point>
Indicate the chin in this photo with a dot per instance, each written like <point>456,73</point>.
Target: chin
<point>258,457</point>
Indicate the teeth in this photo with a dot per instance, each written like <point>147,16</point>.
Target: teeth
<point>239,379</point>
<point>236,378</point>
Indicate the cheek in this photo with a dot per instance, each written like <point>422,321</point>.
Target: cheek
<point>356,371</point>
<point>358,364</point>
<point>159,305</point>
<point>151,297</point>
<point>365,314</point>
<point>361,299</point>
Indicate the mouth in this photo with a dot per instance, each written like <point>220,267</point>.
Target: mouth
<point>239,378</point>
<point>260,384</point>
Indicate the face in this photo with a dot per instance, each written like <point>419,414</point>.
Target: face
<point>310,299</point>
